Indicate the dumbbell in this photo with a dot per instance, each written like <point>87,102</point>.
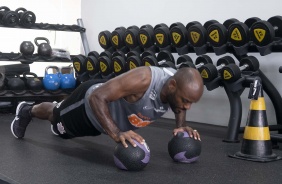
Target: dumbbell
<point>26,18</point>
<point>104,39</point>
<point>163,59</point>
<point>197,36</point>
<point>239,35</point>
<point>179,39</point>
<point>91,64</point>
<point>232,72</point>
<point>146,38</point>
<point>264,32</point>
<point>186,61</point>
<point>162,36</point>
<point>122,63</point>
<point>8,17</point>
<point>79,63</point>
<point>131,38</point>
<point>119,64</point>
<point>105,65</point>
<point>209,71</point>
<point>118,39</point>
<point>218,35</point>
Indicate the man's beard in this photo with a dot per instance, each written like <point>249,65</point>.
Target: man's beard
<point>172,103</point>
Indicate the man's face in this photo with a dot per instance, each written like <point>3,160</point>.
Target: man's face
<point>178,101</point>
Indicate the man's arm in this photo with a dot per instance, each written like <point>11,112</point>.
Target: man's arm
<point>181,125</point>
<point>134,82</point>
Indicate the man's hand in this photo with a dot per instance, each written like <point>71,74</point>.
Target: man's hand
<point>191,132</point>
<point>129,136</point>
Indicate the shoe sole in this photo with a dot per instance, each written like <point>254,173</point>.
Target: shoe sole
<point>17,113</point>
<point>53,130</point>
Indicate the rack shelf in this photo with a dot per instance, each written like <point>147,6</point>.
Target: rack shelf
<point>53,27</point>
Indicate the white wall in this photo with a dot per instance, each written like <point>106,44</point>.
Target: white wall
<point>214,107</point>
<point>48,11</point>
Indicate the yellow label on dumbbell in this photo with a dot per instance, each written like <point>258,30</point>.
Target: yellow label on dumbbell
<point>236,35</point>
<point>103,67</point>
<point>129,39</point>
<point>117,67</point>
<point>160,38</point>
<point>89,66</point>
<point>259,34</point>
<point>176,37</point>
<point>214,35</point>
<point>226,75</point>
<point>103,40</point>
<point>195,36</point>
<point>115,39</point>
<point>131,65</point>
<point>143,39</point>
<point>147,63</point>
<point>204,74</point>
<point>76,66</point>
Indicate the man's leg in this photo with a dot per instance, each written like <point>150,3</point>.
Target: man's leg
<point>25,112</point>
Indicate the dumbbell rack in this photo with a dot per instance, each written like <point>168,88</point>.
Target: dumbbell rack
<point>44,95</point>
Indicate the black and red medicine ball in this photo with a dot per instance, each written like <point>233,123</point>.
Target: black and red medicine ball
<point>183,148</point>
<point>132,158</point>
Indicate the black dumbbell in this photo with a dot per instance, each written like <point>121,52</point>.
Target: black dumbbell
<point>26,18</point>
<point>131,38</point>
<point>79,63</point>
<point>162,36</point>
<point>218,33</point>
<point>146,38</point>
<point>163,59</point>
<point>239,34</point>
<point>197,36</point>
<point>186,61</point>
<point>91,64</point>
<point>8,17</point>
<point>118,39</point>
<point>118,62</point>
<point>105,65</point>
<point>178,34</point>
<point>264,32</point>
<point>104,39</point>
<point>209,71</point>
<point>232,72</point>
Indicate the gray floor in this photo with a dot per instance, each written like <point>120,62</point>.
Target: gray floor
<point>44,158</point>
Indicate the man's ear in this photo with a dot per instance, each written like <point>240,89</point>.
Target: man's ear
<point>172,84</point>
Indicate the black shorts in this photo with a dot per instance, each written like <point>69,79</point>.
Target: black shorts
<point>70,118</point>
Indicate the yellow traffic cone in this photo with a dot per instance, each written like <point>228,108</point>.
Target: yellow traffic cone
<point>256,144</point>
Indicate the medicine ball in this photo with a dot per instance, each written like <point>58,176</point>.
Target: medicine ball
<point>183,148</point>
<point>131,158</point>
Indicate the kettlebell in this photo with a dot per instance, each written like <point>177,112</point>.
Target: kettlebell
<point>27,48</point>
<point>67,78</point>
<point>2,84</point>
<point>44,49</point>
<point>33,83</point>
<point>16,84</point>
<point>51,81</point>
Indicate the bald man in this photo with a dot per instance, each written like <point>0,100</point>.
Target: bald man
<point>119,106</point>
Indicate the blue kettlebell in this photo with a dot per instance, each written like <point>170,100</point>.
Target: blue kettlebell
<point>51,81</point>
<point>67,78</point>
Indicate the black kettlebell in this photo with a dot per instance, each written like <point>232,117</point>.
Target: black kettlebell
<point>27,48</point>
<point>16,84</point>
<point>2,84</point>
<point>33,83</point>
<point>44,49</point>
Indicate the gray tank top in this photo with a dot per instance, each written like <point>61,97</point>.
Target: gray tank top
<point>130,116</point>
